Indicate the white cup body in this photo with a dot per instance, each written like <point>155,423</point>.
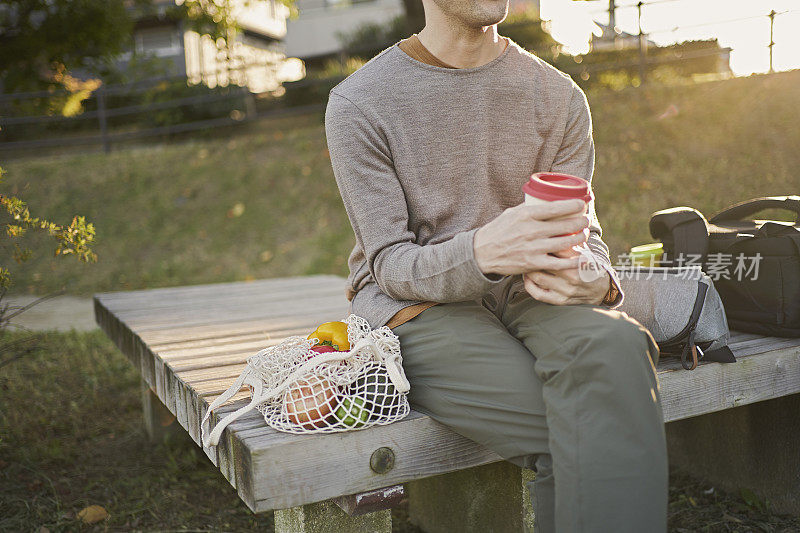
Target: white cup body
<point>533,200</point>
<point>589,269</point>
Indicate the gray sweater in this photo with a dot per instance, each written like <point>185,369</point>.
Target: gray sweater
<point>424,156</point>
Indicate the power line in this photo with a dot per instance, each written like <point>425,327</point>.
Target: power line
<point>635,6</point>
<point>690,26</point>
<point>642,35</point>
<point>719,22</point>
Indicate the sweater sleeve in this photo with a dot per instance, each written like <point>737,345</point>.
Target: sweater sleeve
<point>576,157</point>
<point>376,206</point>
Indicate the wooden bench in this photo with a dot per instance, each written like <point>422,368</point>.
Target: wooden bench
<point>190,343</point>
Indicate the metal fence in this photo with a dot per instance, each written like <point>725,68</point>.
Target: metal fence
<point>242,100</point>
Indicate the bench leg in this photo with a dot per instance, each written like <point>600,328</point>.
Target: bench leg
<point>159,423</point>
<point>327,517</point>
<point>755,447</point>
<point>486,498</point>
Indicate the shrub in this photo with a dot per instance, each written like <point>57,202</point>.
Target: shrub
<point>317,84</point>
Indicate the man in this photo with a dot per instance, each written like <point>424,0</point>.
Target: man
<point>502,339</point>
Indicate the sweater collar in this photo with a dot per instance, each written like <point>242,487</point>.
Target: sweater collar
<point>456,71</point>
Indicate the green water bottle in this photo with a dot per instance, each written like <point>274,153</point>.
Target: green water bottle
<point>647,255</point>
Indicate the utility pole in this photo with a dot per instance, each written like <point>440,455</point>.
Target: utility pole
<point>642,48</point>
<point>771,40</point>
<point>101,117</point>
<point>612,14</point>
<point>612,19</point>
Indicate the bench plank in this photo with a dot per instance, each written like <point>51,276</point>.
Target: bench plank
<point>770,372</point>
<point>155,304</point>
<point>233,287</point>
<point>244,327</point>
<point>191,342</point>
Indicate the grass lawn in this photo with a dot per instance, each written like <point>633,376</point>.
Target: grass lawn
<point>260,201</point>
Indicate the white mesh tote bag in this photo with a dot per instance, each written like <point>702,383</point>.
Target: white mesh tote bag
<point>299,390</point>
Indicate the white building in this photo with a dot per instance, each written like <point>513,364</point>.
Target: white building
<point>255,58</point>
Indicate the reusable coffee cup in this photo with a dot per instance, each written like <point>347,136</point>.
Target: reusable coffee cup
<point>543,187</point>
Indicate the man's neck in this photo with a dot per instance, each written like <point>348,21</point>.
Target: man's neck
<point>460,46</point>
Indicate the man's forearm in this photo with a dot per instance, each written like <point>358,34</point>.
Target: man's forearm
<point>442,272</point>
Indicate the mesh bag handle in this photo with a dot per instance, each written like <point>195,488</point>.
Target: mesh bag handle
<point>244,378</point>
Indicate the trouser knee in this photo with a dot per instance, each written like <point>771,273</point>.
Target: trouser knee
<point>620,343</point>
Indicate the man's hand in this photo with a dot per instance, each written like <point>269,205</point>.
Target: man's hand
<point>522,238</point>
<point>565,287</point>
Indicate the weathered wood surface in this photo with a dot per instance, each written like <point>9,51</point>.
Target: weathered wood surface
<point>371,501</point>
<point>190,343</point>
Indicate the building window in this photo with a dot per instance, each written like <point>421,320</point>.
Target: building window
<point>156,40</point>
<point>336,3</point>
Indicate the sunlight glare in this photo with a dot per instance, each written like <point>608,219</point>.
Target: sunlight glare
<point>571,23</point>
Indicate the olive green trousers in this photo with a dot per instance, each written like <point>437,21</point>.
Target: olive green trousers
<point>570,391</point>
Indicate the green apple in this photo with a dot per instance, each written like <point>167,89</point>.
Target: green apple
<point>352,413</point>
<point>381,397</point>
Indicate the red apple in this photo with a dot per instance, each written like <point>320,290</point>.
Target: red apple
<point>309,401</point>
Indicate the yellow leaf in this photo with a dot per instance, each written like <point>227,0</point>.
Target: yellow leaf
<point>236,211</point>
<point>92,514</point>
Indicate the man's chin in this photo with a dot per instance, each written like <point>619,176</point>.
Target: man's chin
<point>493,11</point>
<point>489,21</point>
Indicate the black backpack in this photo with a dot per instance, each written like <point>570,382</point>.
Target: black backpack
<point>755,264</point>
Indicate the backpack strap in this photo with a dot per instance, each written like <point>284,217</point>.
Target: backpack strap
<point>748,208</point>
<point>683,230</point>
<point>689,349</point>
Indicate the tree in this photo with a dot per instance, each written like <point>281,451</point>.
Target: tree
<point>73,240</point>
<point>369,38</point>
<point>38,38</point>
<point>415,15</point>
<point>41,41</point>
<point>620,68</point>
<point>525,28</point>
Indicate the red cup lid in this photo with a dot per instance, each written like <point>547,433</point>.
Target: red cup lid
<point>554,186</point>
